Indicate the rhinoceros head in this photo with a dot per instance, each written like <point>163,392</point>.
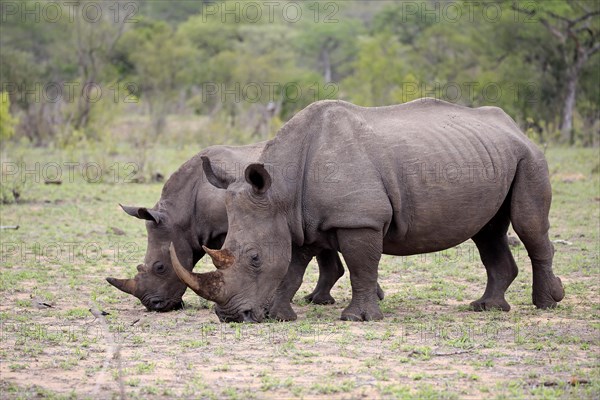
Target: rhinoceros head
<point>249,268</point>
<point>156,283</point>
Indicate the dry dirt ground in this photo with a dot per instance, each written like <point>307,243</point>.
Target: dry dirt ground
<point>428,345</point>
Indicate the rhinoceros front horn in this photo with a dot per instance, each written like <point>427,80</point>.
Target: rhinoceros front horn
<point>207,285</point>
<point>221,258</point>
<point>125,285</point>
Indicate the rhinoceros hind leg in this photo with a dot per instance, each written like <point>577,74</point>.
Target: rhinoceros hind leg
<point>529,216</point>
<point>380,292</point>
<point>500,266</point>
<point>330,270</point>
<point>361,249</point>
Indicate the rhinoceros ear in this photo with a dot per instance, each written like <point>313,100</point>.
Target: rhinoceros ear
<point>142,213</point>
<point>216,175</point>
<point>257,175</point>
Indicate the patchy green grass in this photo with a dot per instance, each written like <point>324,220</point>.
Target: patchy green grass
<point>428,346</point>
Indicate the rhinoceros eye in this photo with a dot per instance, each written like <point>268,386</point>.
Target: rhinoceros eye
<point>255,260</point>
<point>159,267</point>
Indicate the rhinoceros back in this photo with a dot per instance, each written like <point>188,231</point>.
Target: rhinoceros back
<point>412,170</point>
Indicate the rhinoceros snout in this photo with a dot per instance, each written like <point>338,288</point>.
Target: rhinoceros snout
<point>243,316</point>
<point>248,316</point>
<point>160,305</point>
<point>156,303</point>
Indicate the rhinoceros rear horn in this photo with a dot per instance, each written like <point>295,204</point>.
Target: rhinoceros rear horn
<point>125,285</point>
<point>208,285</point>
<point>142,213</point>
<point>221,258</point>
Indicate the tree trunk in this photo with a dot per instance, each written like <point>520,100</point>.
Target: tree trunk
<point>566,126</point>
<point>327,74</point>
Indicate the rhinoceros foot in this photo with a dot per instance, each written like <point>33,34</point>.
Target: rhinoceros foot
<point>319,298</point>
<point>489,304</point>
<point>323,298</point>
<point>547,293</point>
<point>362,311</point>
<point>282,311</point>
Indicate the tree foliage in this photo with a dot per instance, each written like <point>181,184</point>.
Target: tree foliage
<point>537,60</point>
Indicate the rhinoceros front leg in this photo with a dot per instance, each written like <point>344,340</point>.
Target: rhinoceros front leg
<point>362,249</point>
<point>331,270</point>
<point>281,308</point>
